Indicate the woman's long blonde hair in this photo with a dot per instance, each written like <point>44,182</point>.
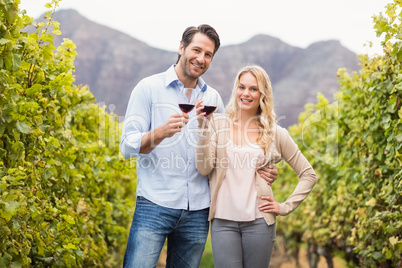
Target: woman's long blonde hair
<point>265,115</point>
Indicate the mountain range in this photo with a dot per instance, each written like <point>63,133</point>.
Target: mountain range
<point>111,63</point>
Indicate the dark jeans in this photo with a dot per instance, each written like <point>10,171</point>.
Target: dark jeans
<point>186,233</point>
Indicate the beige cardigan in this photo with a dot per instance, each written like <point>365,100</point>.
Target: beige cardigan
<point>211,159</point>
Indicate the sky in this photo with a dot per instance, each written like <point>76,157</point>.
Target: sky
<point>300,23</point>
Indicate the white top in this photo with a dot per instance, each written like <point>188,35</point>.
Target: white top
<point>237,197</point>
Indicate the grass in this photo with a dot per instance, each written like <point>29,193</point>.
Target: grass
<point>207,260</point>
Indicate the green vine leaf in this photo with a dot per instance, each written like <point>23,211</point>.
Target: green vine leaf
<point>23,127</point>
<point>4,41</point>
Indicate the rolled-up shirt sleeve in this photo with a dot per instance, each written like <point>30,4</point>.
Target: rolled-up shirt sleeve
<point>137,120</point>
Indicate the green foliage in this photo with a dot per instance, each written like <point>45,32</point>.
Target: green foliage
<point>66,197</point>
<point>355,146</point>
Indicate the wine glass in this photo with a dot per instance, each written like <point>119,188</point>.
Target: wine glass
<point>210,103</point>
<point>186,104</point>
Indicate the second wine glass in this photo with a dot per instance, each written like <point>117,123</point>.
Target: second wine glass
<point>210,103</point>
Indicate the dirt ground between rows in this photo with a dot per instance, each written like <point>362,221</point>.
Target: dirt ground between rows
<point>282,261</point>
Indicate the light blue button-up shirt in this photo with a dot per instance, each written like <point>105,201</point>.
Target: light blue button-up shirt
<point>167,176</point>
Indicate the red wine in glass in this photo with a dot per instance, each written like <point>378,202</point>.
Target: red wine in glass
<point>186,104</point>
<point>208,110</point>
<point>186,108</point>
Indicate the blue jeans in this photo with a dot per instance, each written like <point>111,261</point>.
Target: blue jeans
<point>186,233</point>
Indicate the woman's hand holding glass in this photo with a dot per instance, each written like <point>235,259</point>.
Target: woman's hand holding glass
<point>204,108</point>
<point>200,114</point>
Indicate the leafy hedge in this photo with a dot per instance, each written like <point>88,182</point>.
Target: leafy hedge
<point>66,197</point>
<point>355,146</point>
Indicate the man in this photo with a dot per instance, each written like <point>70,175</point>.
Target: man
<point>172,197</point>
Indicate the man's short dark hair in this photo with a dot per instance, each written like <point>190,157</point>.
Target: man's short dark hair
<point>205,29</point>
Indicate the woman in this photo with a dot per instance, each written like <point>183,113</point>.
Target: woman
<point>231,149</point>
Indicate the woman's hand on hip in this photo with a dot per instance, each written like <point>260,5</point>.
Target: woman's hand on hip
<point>270,206</point>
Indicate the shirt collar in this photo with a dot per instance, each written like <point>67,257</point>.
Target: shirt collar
<point>171,78</point>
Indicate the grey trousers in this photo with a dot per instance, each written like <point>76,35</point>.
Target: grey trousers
<point>242,244</point>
